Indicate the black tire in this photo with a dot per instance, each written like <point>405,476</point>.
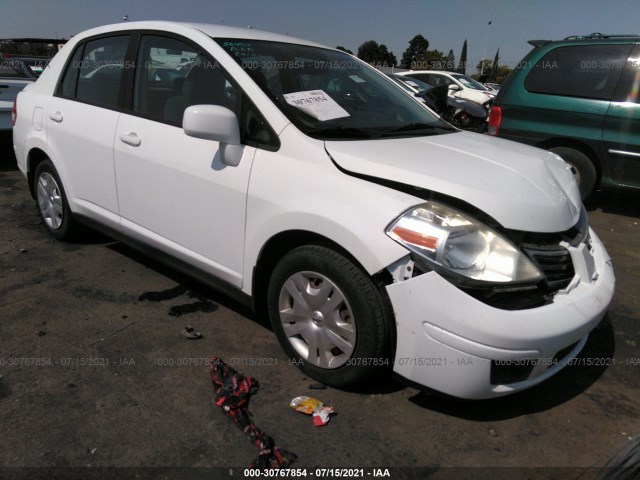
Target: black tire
<point>338,309</point>
<point>581,166</point>
<point>52,203</point>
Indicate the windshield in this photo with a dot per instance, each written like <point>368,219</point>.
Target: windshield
<point>331,95</point>
<point>415,83</point>
<point>469,82</point>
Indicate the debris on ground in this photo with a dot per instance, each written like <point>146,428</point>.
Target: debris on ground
<point>233,392</point>
<point>317,386</point>
<point>111,334</point>
<point>312,406</point>
<point>190,332</point>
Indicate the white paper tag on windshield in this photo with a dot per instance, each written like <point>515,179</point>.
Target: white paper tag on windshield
<point>317,104</point>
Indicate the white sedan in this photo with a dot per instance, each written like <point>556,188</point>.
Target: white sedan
<point>304,183</point>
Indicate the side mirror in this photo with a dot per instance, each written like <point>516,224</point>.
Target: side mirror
<point>213,122</point>
<point>454,88</point>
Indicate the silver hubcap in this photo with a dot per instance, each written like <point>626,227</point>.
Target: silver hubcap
<point>317,319</point>
<point>50,201</point>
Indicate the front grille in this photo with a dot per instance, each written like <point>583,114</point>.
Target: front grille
<point>555,262</point>
<point>574,236</point>
<point>557,267</point>
<point>544,249</point>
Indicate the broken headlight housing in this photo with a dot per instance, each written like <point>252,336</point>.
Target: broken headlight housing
<point>453,243</point>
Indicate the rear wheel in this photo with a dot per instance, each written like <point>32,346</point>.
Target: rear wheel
<point>52,203</point>
<point>581,166</point>
<point>329,316</point>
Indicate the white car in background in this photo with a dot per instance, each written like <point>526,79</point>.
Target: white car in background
<point>309,186</point>
<point>459,85</point>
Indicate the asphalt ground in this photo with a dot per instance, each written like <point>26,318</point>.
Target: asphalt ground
<point>98,382</point>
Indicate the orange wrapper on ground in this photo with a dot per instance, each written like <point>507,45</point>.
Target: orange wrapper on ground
<point>305,404</point>
<point>312,406</point>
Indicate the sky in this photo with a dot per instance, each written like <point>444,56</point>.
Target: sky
<point>444,23</point>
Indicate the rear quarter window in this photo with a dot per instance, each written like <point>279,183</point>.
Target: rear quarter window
<point>629,86</point>
<point>586,71</point>
<point>94,73</point>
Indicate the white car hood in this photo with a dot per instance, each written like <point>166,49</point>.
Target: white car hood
<point>522,187</point>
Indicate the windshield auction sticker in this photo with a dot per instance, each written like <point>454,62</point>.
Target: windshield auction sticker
<point>317,104</point>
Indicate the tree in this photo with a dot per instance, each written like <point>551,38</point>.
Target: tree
<point>415,56</point>
<point>451,61</point>
<point>436,60</point>
<point>388,59</point>
<point>503,73</point>
<point>369,51</point>
<point>484,65</point>
<point>374,54</point>
<point>462,66</point>
<point>340,47</point>
<point>494,68</point>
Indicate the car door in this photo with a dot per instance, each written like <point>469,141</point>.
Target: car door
<point>81,121</point>
<point>173,190</point>
<point>621,133</point>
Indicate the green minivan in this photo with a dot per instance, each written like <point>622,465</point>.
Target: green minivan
<point>579,98</point>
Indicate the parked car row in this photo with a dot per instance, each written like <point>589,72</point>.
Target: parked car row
<point>301,181</point>
<point>459,112</point>
<point>459,85</point>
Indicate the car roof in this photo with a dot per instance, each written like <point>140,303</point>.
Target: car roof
<point>598,37</point>
<point>211,30</point>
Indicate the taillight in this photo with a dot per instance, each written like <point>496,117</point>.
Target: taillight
<point>495,117</point>
<point>14,112</point>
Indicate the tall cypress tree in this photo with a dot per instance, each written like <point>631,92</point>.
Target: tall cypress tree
<point>462,66</point>
<point>494,68</point>
<point>451,61</point>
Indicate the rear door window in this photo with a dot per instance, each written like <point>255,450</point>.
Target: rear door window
<point>585,71</point>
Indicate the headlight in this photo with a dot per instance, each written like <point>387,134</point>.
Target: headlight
<point>452,241</point>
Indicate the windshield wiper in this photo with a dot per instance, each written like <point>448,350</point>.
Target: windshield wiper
<point>344,132</point>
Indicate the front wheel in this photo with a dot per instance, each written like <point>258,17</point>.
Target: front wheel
<point>329,316</point>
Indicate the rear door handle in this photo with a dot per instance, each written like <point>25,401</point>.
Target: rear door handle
<point>56,116</point>
<point>130,139</point>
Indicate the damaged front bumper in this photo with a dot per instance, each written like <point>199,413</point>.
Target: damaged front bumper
<point>450,342</point>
